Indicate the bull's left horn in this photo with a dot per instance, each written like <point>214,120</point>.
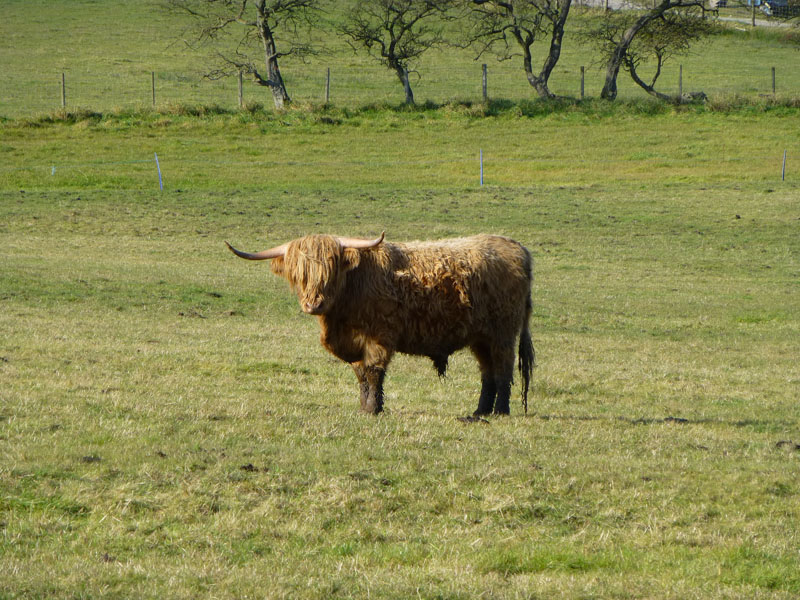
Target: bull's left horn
<point>263,255</point>
<point>361,244</point>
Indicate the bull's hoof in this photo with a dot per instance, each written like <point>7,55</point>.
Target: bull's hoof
<point>372,410</point>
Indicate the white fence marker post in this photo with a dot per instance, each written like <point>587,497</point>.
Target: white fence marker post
<point>160,181</point>
<point>783,169</point>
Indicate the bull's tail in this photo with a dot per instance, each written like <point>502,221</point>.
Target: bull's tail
<point>526,352</point>
<point>527,357</point>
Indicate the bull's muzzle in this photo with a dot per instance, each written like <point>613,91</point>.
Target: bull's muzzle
<point>312,308</point>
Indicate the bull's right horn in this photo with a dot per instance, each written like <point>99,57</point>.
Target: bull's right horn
<point>263,255</point>
<point>359,243</point>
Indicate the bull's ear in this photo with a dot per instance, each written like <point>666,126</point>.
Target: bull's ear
<point>277,265</point>
<point>350,258</point>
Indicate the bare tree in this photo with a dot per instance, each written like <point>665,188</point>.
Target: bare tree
<point>672,35</point>
<point>510,26</point>
<point>396,32</point>
<point>617,37</point>
<point>256,23</point>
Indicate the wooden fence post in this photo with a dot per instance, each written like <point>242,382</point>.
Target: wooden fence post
<point>485,84</point>
<point>582,81</point>
<point>680,83</point>
<point>328,86</point>
<point>241,91</point>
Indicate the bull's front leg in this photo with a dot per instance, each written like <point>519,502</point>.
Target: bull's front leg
<point>371,371</point>
<point>370,382</point>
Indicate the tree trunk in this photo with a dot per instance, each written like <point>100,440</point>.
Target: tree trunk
<point>556,40</point>
<point>402,75</point>
<point>540,82</point>
<point>274,79</point>
<point>620,51</point>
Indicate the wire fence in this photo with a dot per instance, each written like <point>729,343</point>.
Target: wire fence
<point>356,86</point>
<point>37,81</point>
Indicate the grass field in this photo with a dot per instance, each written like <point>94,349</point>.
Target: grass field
<point>171,428</point>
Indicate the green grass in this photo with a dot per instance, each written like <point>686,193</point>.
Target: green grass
<point>435,147</point>
<point>171,428</point>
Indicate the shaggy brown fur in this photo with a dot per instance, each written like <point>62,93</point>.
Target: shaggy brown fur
<point>421,298</point>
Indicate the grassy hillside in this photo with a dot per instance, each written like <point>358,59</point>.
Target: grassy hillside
<point>171,428</point>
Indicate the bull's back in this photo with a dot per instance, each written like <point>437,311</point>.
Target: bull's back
<point>454,292</point>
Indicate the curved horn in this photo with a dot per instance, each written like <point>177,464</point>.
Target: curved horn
<point>360,244</point>
<point>263,255</point>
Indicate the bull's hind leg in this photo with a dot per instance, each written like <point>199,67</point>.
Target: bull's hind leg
<point>502,402</point>
<point>503,361</point>
<point>497,373</point>
<point>488,393</point>
<point>488,387</point>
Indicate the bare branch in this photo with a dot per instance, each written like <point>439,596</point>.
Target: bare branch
<point>396,32</point>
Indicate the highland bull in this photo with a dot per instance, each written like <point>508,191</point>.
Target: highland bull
<point>375,298</point>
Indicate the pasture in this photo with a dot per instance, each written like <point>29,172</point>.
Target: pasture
<point>171,428</point>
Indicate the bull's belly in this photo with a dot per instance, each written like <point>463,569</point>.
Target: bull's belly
<point>432,346</point>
